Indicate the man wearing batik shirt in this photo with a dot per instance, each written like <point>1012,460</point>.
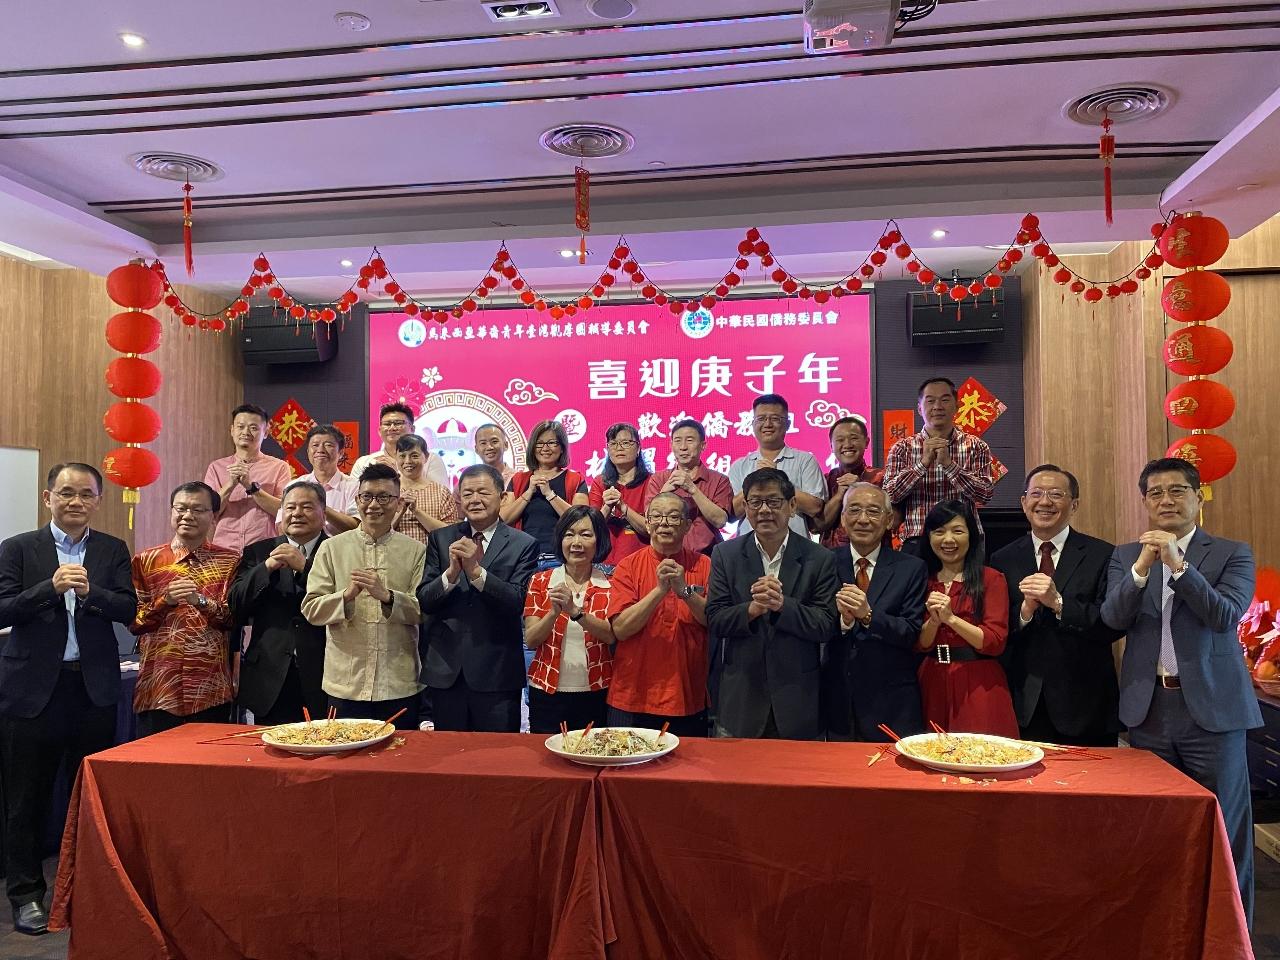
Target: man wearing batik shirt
<point>849,439</point>
<point>939,463</point>
<point>183,619</point>
<point>249,483</point>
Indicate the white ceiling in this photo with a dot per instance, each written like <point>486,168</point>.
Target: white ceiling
<point>421,134</point>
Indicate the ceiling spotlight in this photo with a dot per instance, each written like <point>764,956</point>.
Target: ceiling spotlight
<point>567,253</point>
<point>133,40</point>
<point>344,263</point>
<point>350,20</point>
<point>506,12</point>
<point>938,234</point>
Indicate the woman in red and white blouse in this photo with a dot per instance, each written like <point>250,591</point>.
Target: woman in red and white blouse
<point>564,621</point>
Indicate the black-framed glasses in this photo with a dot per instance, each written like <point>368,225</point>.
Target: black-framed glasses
<point>383,499</point>
<point>182,510</point>
<point>547,443</point>
<point>665,519</point>
<point>395,423</point>
<point>759,503</point>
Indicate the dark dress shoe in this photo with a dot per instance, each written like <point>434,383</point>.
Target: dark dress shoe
<point>30,918</point>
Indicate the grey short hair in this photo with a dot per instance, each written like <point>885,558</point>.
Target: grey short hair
<point>863,485</point>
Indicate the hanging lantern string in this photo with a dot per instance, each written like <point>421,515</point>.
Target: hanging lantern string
<point>753,246</point>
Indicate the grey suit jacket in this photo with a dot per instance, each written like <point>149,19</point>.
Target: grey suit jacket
<point>774,661</point>
<point>1209,600</point>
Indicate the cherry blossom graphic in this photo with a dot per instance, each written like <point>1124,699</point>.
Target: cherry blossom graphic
<point>523,393</point>
<point>823,413</point>
<point>431,376</point>
<point>403,390</point>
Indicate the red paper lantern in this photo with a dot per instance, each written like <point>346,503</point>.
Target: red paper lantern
<point>867,270</point>
<point>261,264</point>
<point>1013,255</point>
<point>878,258</point>
<point>1194,241</point>
<point>902,251</point>
<point>1195,297</point>
<point>1063,275</point>
<point>976,287</point>
<point>131,423</point>
<point>133,377</point>
<point>1030,222</point>
<point>821,296</point>
<point>133,285</point>
<point>925,276</point>
<point>1213,456</point>
<point>328,315</point>
<point>131,467</point>
<point>853,284</point>
<point>1093,294</point>
<point>133,332</point>
<point>217,324</point>
<point>958,293</point>
<point>1077,286</point>
<point>1197,351</point>
<point>992,280</point>
<point>1199,405</point>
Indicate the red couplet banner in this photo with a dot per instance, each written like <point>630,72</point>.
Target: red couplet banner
<point>634,363</point>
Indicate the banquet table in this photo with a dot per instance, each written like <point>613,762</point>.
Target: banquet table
<point>487,846</point>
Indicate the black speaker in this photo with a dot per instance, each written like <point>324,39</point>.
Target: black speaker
<point>270,335</point>
<point>977,319</point>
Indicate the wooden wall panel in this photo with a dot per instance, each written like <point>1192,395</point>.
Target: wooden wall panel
<point>53,367</point>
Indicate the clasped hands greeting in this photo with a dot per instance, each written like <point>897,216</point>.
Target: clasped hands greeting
<point>368,581</point>
<point>71,576</point>
<point>464,557</point>
<point>852,603</point>
<point>936,450</point>
<point>766,596</point>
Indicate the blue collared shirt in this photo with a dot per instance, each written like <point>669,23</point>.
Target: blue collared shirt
<point>69,552</point>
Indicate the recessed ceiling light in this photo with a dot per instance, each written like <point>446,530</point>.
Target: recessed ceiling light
<point>657,163</point>
<point>567,253</point>
<point>506,12</point>
<point>938,234</point>
<point>133,40</point>
<point>350,20</point>
<point>344,263</point>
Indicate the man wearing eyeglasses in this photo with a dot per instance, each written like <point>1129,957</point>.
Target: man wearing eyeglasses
<point>1178,594</point>
<point>61,589</point>
<point>394,421</point>
<point>183,619</point>
<point>770,422</point>
<point>657,606</point>
<point>1058,656</point>
<point>870,673</point>
<point>770,608</point>
<point>361,589</point>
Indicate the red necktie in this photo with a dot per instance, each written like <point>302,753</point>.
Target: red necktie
<point>860,578</point>
<point>1046,559</point>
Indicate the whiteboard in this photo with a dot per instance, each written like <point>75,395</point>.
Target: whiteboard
<point>20,502</point>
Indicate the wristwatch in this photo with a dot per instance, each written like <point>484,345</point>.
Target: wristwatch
<point>578,616</point>
<point>253,488</point>
<point>202,601</point>
<point>688,591</point>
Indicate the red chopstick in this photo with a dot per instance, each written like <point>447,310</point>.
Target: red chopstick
<point>937,729</point>
<point>306,714</point>
<point>395,716</point>
<point>884,728</point>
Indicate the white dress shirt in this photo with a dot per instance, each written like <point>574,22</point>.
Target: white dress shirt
<point>773,565</point>
<point>1057,541</point>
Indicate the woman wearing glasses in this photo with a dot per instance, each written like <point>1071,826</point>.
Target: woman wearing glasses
<point>565,621</point>
<point>537,496</point>
<point>618,492</point>
<point>962,685</point>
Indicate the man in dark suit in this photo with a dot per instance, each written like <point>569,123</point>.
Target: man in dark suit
<point>281,671</point>
<point>1058,656</point>
<point>870,673</point>
<point>1185,694</point>
<point>472,599</point>
<point>61,589</point>
<point>770,608</point>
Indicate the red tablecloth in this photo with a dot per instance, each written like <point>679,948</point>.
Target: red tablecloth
<point>486,846</point>
<point>452,846</point>
<point>767,849</point>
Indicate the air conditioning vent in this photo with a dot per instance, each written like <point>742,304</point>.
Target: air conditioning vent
<point>1121,104</point>
<point>177,166</point>
<point>587,140</point>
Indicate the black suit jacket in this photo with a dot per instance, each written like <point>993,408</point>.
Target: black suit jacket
<point>271,600</point>
<point>872,670</point>
<point>477,634</point>
<point>773,661</point>
<point>31,656</point>
<point>1066,662</point>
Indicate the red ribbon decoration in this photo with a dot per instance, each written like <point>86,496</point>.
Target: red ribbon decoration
<point>186,229</point>
<point>1107,153</point>
<point>582,208</point>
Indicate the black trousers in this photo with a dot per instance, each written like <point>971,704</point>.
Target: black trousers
<point>460,708</point>
<point>690,725</point>
<point>379,710</point>
<point>1041,728</point>
<point>577,709</point>
<point>157,721</point>
<point>32,750</point>
<point>292,698</point>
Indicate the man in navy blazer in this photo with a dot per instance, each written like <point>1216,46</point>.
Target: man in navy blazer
<point>1184,691</point>
<point>1058,657</point>
<point>770,608</point>
<point>61,589</point>
<point>472,599</point>
<point>871,665</point>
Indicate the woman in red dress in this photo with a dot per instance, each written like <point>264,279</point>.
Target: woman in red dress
<point>962,686</point>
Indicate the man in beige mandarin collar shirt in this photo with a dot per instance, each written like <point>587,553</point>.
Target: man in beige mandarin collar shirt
<point>362,590</point>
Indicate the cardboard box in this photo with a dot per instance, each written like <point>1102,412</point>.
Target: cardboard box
<point>1266,837</point>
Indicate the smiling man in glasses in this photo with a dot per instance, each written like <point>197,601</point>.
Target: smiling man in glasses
<point>395,420</point>
<point>1185,695</point>
<point>61,589</point>
<point>1058,656</point>
<point>770,608</point>
<point>361,589</point>
<point>770,421</point>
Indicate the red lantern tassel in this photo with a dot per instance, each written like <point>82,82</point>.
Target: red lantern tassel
<point>186,230</point>
<point>1107,153</point>
<point>582,208</point>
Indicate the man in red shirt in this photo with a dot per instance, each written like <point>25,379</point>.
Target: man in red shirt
<point>693,481</point>
<point>657,607</point>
